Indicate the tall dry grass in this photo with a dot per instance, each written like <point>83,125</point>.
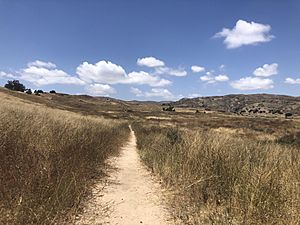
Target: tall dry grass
<point>221,178</point>
<point>48,158</point>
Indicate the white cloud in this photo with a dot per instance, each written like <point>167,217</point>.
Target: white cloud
<point>110,73</point>
<point>252,83</point>
<point>42,73</point>
<point>137,92</point>
<point>100,89</point>
<point>197,69</point>
<point>101,72</point>
<point>145,78</point>
<point>222,78</point>
<point>207,78</point>
<point>266,70</point>
<point>160,93</point>
<point>210,78</point>
<point>170,71</point>
<point>41,64</point>
<point>292,80</point>
<point>245,33</point>
<point>6,75</point>
<point>150,62</point>
<point>160,68</point>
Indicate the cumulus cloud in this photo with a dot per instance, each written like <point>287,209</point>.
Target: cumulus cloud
<point>6,75</point>
<point>159,93</point>
<point>252,83</point>
<point>42,73</point>
<point>245,33</point>
<point>222,78</point>
<point>137,92</point>
<point>210,78</point>
<point>101,72</point>
<point>110,73</point>
<point>197,69</point>
<point>266,70</point>
<point>150,62</point>
<point>160,68</point>
<point>41,64</point>
<point>145,78</point>
<point>170,71</point>
<point>100,89</point>
<point>93,75</point>
<point>292,80</point>
<point>207,78</point>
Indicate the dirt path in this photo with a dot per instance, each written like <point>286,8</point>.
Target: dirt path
<point>130,196</point>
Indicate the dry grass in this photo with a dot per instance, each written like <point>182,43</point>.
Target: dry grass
<point>224,178</point>
<point>223,168</point>
<point>48,158</point>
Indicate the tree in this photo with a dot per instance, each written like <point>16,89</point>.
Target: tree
<point>15,85</point>
<point>52,92</point>
<point>38,91</point>
<point>169,108</point>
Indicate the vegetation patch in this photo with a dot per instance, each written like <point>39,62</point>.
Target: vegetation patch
<point>223,178</point>
<point>48,158</point>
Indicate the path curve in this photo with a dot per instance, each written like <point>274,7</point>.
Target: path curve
<point>131,195</point>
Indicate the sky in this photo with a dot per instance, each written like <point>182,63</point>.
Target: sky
<point>152,50</point>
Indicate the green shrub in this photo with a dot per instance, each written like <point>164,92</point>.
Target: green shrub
<point>15,85</point>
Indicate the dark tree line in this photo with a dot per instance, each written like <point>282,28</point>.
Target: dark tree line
<point>15,85</point>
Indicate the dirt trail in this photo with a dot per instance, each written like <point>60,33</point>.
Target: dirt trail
<point>130,196</point>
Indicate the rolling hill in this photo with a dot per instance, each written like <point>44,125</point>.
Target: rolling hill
<point>259,104</point>
<point>244,104</point>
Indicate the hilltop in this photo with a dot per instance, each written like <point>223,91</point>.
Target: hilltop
<point>244,104</point>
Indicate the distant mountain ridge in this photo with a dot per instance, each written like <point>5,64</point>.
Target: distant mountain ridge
<point>239,103</point>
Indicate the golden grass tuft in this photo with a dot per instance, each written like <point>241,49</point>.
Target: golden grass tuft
<point>48,158</point>
<point>224,178</point>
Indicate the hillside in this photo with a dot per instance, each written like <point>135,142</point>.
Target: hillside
<point>50,157</point>
<point>244,104</point>
<point>84,104</point>
<point>259,104</point>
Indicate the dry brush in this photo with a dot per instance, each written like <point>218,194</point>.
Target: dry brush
<point>48,158</point>
<point>221,178</point>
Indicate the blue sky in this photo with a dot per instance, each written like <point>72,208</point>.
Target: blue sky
<point>158,50</point>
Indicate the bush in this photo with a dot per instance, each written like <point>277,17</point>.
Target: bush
<point>288,115</point>
<point>28,91</point>
<point>15,85</point>
<point>170,108</point>
<point>38,91</point>
<point>52,92</point>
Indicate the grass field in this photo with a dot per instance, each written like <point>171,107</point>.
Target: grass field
<point>219,168</point>
<point>49,158</point>
<point>235,175</point>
